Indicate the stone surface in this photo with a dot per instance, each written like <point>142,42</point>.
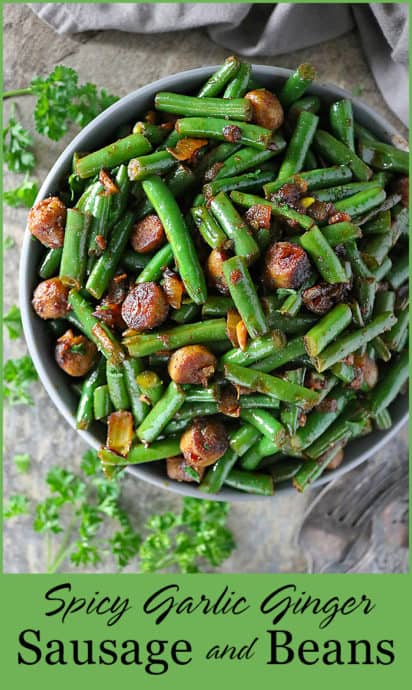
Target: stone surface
<point>266,530</point>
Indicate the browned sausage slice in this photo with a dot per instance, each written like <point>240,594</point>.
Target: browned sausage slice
<point>204,442</point>
<point>50,299</point>
<point>145,307</point>
<point>192,364</point>
<point>47,220</point>
<point>286,266</point>
<point>148,234</point>
<point>75,354</point>
<point>267,109</point>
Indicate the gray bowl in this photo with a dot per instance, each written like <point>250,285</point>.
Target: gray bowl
<point>97,134</point>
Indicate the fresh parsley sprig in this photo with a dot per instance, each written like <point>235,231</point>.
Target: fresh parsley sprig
<point>77,508</point>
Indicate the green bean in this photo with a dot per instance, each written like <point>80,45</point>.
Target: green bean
<point>340,233</point>
<point>217,306</point>
<point>252,482</point>
<point>179,238</point>
<point>134,262</point>
<point>344,191</point>
<point>356,260</point>
<point>383,156</point>
<point>119,200</point>
<point>252,180</point>
<point>117,386</point>
<point>361,202</point>
<point>314,179</point>
<point>210,230</point>
<point>270,385</point>
<point>238,86</point>
<point>242,439</point>
<point>285,469</point>
<point>344,372</point>
<point>327,329</point>
<point>205,107</point>
<point>215,84</point>
<point>299,144</point>
<point>138,454</point>
<point>94,329</point>
<point>291,414</point>
<point>186,313</point>
<point>282,322</point>
<point>74,256</point>
<point>161,414</point>
<point>235,227</point>
<point>382,271</point>
<point>342,123</point>
<point>347,344</point>
<point>219,153</point>
<point>323,256</point>
<point>310,470</point>
<point>380,349</point>
<point>85,414</point>
<point>110,156</point>
<point>249,401</point>
<point>383,420</point>
<point>131,369</point>
<point>395,338</point>
<point>157,163</point>
<point>376,248</point>
<point>226,130</point>
<point>105,267</point>
<point>245,158</point>
<point>292,304</point>
<point>363,133</point>
<point>399,272</point>
<point>320,420</point>
<point>157,264</point>
<point>179,183</point>
<point>309,104</point>
<point>266,423</point>
<point>390,385</point>
<point>100,227</point>
<point>385,301</point>
<point>400,220</point>
<point>156,134</point>
<point>296,84</point>
<point>291,351</point>
<point>187,413</point>
<point>218,472</point>
<point>143,344</point>
<point>336,152</point>
<point>281,211</point>
<point>365,290</point>
<point>102,405</point>
<point>310,162</point>
<point>150,385</point>
<point>244,295</point>
<point>51,263</point>
<point>262,448</point>
<point>257,349</point>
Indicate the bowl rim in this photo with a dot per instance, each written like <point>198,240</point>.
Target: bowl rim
<point>28,317</point>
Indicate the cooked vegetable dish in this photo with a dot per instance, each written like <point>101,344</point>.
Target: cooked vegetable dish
<point>227,282</point>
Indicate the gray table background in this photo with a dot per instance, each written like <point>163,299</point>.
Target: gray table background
<point>265,530</point>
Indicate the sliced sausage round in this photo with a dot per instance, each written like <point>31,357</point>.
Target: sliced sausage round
<point>214,270</point>
<point>286,265</point>
<point>75,354</point>
<point>47,220</point>
<point>192,364</point>
<point>148,234</point>
<point>145,307</point>
<point>204,442</point>
<point>50,299</point>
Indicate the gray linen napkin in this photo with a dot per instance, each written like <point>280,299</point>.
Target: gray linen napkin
<point>261,29</point>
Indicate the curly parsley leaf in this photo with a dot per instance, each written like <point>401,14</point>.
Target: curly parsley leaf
<point>23,196</point>
<point>18,374</point>
<point>22,462</point>
<point>16,505</point>
<point>61,100</point>
<point>187,539</point>
<point>16,144</point>
<point>66,485</point>
<point>12,321</point>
